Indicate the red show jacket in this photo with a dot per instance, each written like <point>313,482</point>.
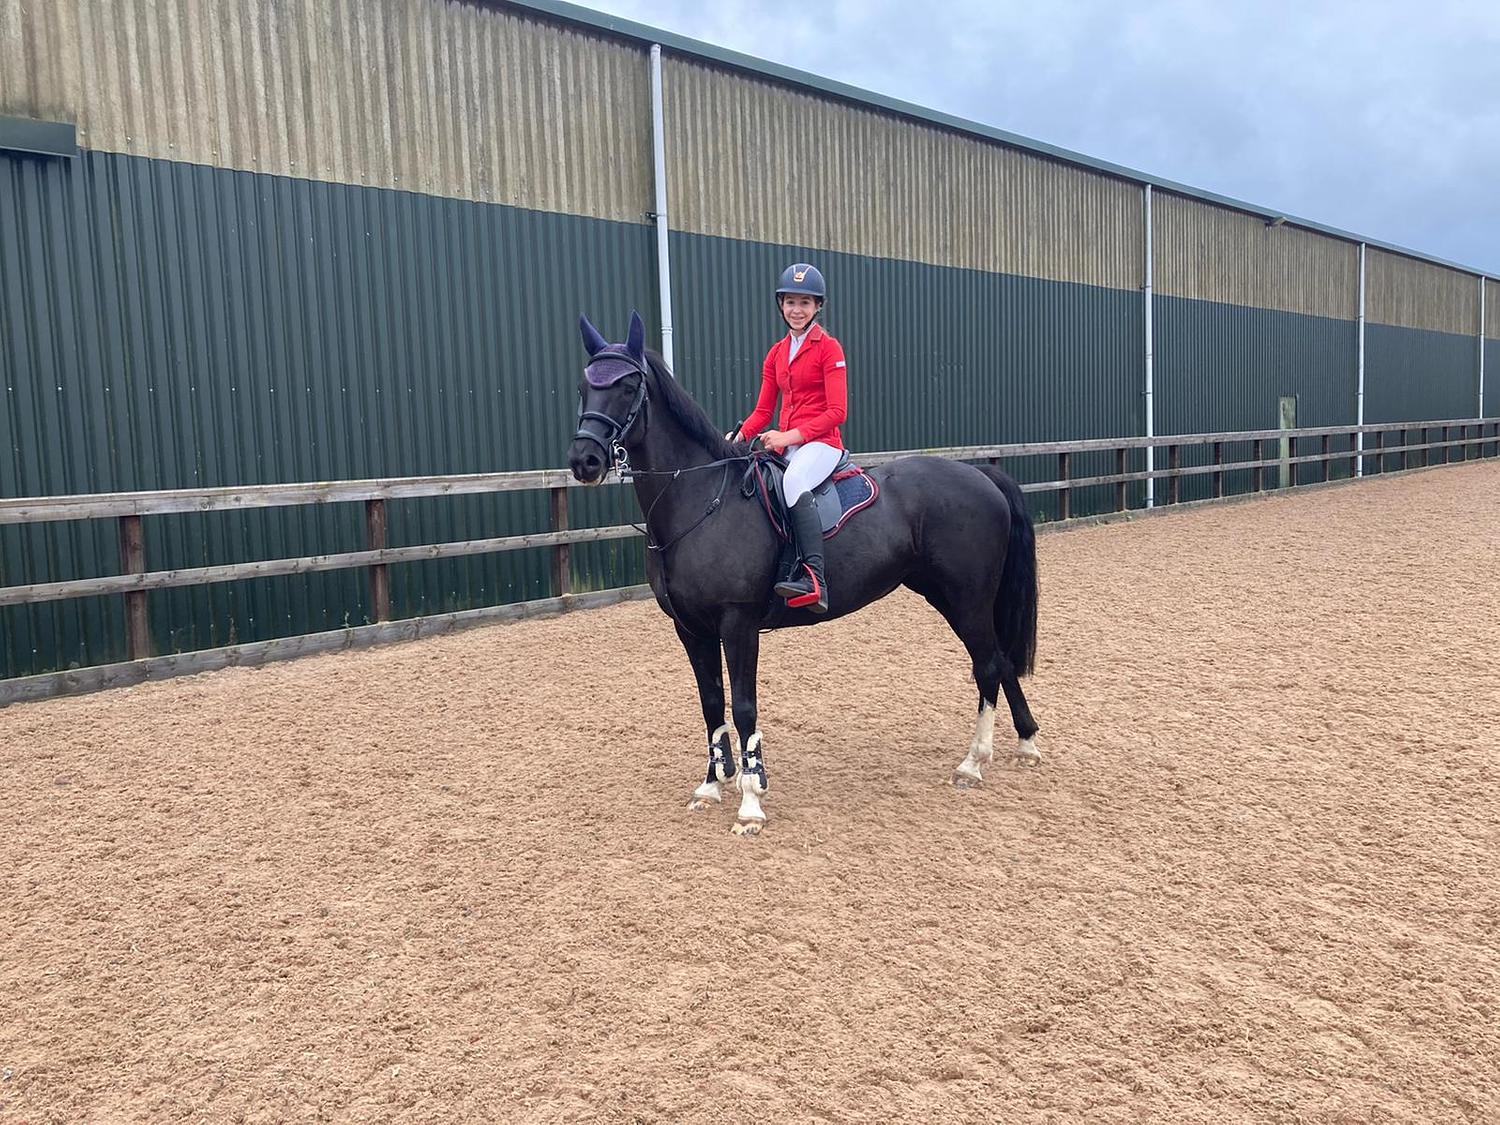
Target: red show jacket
<point>814,389</point>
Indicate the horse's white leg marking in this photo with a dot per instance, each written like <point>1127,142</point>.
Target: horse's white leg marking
<point>711,792</point>
<point>970,771</point>
<point>751,815</point>
<point>1027,754</point>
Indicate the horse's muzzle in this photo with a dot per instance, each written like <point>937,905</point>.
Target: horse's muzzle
<point>587,462</point>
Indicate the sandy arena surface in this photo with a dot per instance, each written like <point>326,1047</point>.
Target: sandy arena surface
<point>1255,879</point>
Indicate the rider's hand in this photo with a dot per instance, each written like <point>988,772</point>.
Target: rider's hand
<point>776,440</point>
<point>735,436</point>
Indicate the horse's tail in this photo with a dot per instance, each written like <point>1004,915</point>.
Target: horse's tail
<point>1015,605</point>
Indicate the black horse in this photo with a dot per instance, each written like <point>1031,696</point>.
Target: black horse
<point>957,534</point>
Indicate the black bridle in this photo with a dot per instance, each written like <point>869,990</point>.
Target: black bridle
<point>613,439</point>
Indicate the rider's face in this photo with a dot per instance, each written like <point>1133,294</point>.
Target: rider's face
<point>799,309</point>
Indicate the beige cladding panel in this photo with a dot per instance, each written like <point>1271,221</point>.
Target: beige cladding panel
<point>1210,253</point>
<point>1492,310</point>
<point>426,95</point>
<point>750,159</point>
<point>1414,294</point>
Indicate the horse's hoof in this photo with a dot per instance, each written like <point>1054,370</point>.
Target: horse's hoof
<point>966,775</point>
<point>706,796</point>
<point>1027,754</point>
<point>748,827</point>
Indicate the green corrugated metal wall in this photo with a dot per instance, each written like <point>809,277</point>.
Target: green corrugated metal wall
<point>1491,379</point>
<point>1224,367</point>
<point>1411,373</point>
<point>937,356</point>
<point>169,325</point>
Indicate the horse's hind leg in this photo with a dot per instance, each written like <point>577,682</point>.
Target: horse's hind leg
<point>708,670</point>
<point>977,632</point>
<point>1020,713</point>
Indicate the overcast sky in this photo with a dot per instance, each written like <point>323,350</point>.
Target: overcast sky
<point>1381,118</point>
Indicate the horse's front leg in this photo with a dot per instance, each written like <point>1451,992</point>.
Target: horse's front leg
<point>742,652</point>
<point>708,668</point>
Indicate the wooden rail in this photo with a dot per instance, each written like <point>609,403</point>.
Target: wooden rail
<point>1475,437</point>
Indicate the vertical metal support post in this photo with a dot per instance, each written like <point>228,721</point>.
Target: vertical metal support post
<point>1150,360</point>
<point>562,554</point>
<point>1359,391</point>
<point>1480,412</point>
<point>380,573</point>
<point>133,561</point>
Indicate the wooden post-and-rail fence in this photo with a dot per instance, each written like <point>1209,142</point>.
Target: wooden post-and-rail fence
<point>1403,445</point>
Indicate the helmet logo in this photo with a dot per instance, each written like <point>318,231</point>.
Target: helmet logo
<point>799,276</point>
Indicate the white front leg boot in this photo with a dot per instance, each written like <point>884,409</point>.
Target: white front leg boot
<point>720,769</point>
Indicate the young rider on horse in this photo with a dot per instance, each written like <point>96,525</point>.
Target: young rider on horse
<point>806,368</point>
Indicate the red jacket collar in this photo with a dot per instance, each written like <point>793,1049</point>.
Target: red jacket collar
<point>814,334</point>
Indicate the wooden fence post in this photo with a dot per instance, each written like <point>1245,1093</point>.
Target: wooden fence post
<point>1120,494</point>
<point>380,573</point>
<point>133,561</point>
<point>562,554</point>
<point>1219,473</point>
<point>1065,494</point>
<point>1174,462</point>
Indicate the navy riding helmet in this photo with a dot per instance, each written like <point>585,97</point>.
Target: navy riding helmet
<point>802,278</point>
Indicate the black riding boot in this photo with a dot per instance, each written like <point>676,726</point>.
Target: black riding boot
<point>806,588</point>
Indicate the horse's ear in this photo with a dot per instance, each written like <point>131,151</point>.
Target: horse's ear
<point>636,343</point>
<point>593,343</point>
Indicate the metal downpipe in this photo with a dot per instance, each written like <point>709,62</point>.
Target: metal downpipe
<point>659,155</point>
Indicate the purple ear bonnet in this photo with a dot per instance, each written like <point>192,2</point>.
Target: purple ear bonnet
<point>609,363</point>
<point>610,366</point>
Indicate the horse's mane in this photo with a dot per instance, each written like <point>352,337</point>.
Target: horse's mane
<point>668,392</point>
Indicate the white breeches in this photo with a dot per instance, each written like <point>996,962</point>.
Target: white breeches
<point>809,467</point>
